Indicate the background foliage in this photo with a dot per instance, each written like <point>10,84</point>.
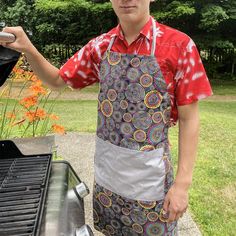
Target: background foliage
<point>59,28</point>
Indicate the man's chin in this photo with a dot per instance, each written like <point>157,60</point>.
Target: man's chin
<point>129,18</point>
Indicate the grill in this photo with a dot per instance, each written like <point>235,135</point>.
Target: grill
<point>39,197</point>
<point>24,181</point>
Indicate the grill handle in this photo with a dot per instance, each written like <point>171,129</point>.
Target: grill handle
<point>7,37</point>
<point>81,190</point>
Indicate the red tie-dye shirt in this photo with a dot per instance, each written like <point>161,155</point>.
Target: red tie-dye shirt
<point>176,54</point>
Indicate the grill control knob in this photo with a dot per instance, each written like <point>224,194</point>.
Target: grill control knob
<point>82,189</point>
<point>85,230</point>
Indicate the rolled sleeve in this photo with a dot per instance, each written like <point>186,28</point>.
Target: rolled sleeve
<point>80,70</point>
<point>192,83</point>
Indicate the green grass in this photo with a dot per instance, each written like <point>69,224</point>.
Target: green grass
<point>78,115</point>
<point>90,89</point>
<point>213,192</point>
<point>219,87</point>
<point>224,87</point>
<point>213,197</point>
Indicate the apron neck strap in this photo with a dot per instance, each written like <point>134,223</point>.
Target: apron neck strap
<point>154,35</point>
<point>154,39</point>
<point>111,43</point>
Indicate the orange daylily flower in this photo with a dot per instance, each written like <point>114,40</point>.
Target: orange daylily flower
<point>37,82</point>
<point>29,101</point>
<point>18,70</point>
<point>53,117</point>
<point>11,115</point>
<point>39,114</point>
<point>38,89</point>
<point>30,116</point>
<point>33,78</point>
<point>27,114</point>
<point>58,129</point>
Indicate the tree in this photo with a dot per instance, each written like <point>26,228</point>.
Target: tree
<point>19,12</point>
<point>211,23</point>
<point>72,22</point>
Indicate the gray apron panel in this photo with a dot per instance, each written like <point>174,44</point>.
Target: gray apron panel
<point>132,174</point>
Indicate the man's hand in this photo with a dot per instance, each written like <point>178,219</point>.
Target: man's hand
<point>176,202</point>
<point>41,67</point>
<point>22,42</point>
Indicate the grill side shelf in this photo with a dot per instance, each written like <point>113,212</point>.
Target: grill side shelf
<point>23,187</point>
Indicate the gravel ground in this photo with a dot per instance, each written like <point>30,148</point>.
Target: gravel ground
<point>78,149</point>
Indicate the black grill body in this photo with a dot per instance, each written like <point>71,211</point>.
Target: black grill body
<point>8,59</point>
<point>23,187</point>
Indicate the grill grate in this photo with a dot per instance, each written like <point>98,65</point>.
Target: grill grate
<point>23,183</point>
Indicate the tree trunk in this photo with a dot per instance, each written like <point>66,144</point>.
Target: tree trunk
<point>232,69</point>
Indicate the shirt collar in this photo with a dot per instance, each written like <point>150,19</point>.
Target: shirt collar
<point>146,31</point>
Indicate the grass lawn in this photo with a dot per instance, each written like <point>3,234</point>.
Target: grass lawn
<point>78,115</point>
<point>220,87</point>
<point>224,87</point>
<point>215,170</point>
<point>213,193</point>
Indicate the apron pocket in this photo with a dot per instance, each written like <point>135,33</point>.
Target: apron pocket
<point>132,174</point>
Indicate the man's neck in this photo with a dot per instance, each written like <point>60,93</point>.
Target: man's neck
<point>131,30</point>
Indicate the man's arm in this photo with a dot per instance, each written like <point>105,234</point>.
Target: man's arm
<point>41,67</point>
<point>176,200</point>
<point>188,140</point>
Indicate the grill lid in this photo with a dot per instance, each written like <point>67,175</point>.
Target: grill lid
<point>23,186</point>
<point>8,59</point>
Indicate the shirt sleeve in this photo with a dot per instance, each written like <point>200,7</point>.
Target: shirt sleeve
<point>81,69</point>
<point>192,83</point>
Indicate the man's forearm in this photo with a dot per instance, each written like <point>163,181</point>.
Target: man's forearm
<point>188,140</point>
<point>43,69</point>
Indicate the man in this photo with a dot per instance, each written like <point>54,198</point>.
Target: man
<point>150,76</point>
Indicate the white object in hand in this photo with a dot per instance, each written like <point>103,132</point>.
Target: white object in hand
<point>7,37</point>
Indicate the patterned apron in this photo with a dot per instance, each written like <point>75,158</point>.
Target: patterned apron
<point>133,169</point>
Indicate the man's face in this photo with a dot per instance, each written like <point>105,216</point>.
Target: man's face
<point>131,10</point>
